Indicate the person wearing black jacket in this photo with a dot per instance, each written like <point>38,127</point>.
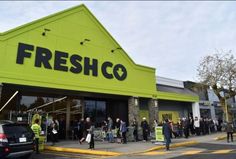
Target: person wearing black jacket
<point>135,133</point>
<point>90,130</point>
<point>53,131</point>
<point>191,125</point>
<point>81,130</point>
<point>201,126</point>
<point>166,131</point>
<point>186,127</point>
<point>145,127</point>
<point>118,122</point>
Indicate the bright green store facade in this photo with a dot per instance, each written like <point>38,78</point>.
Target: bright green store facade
<point>70,54</point>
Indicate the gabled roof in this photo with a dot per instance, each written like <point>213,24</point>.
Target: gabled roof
<point>40,22</point>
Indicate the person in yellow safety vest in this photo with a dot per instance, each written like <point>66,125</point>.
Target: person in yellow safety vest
<point>37,130</point>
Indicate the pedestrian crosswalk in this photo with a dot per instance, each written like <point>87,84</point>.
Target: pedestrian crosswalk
<point>189,152</point>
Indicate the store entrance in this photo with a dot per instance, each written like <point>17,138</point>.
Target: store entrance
<point>66,106</point>
<point>100,109</point>
<point>96,110</point>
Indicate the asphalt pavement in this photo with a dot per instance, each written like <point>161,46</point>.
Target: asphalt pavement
<point>210,150</point>
<point>207,148</point>
<point>63,155</point>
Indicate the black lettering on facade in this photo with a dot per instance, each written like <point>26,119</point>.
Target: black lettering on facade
<point>75,61</point>
<point>22,52</point>
<point>88,66</point>
<point>43,56</point>
<point>120,72</point>
<point>93,67</point>
<point>60,61</point>
<point>105,65</point>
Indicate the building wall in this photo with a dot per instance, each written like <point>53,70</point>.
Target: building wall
<point>180,109</point>
<point>67,30</point>
<point>169,82</point>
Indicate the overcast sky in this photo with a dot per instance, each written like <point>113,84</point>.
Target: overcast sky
<point>169,36</point>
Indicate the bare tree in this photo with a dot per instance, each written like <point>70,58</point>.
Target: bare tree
<point>219,72</point>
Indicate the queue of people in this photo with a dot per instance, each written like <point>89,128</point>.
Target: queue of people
<point>120,128</point>
<point>84,131</point>
<point>189,126</point>
<point>116,131</point>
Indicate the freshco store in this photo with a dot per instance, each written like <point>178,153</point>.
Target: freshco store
<point>68,66</point>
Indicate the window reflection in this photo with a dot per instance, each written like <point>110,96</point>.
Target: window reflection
<point>96,110</point>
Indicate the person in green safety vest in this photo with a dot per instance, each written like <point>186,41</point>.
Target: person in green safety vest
<point>37,130</point>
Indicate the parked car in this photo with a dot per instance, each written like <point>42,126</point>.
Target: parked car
<point>16,140</point>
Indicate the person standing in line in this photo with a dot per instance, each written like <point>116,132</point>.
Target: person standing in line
<point>75,129</point>
<point>109,127</point>
<point>135,133</point>
<point>37,130</point>
<point>173,129</point>
<point>186,127</point>
<point>166,131</point>
<point>54,131</point>
<point>118,122</point>
<point>104,129</point>
<point>62,130</point>
<point>220,121</point>
<point>90,131</point>
<point>229,130</point>
<point>207,126</point>
<point>81,130</point>
<point>201,126</point>
<point>204,126</point>
<point>212,126</point>
<point>145,127</point>
<point>197,125</point>
<point>57,127</point>
<point>180,127</point>
<point>191,125</point>
<point>123,130</point>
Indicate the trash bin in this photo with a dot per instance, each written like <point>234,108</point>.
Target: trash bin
<point>42,140</point>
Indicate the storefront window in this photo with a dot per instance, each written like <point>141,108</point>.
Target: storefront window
<point>205,113</point>
<point>96,110</point>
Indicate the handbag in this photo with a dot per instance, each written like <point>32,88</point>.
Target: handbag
<point>88,138</point>
<point>54,131</point>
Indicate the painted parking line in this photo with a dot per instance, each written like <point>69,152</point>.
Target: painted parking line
<point>193,152</point>
<point>153,153</point>
<point>222,151</point>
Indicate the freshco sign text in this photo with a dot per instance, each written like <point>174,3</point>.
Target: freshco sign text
<point>43,57</point>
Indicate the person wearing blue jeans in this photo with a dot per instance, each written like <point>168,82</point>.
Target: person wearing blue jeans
<point>109,127</point>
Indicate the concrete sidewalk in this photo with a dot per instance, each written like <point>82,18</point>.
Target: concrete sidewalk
<point>223,136</point>
<point>113,149</point>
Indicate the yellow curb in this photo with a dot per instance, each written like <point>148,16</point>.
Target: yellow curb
<point>109,153</point>
<point>222,137</point>
<point>188,143</point>
<point>81,151</point>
